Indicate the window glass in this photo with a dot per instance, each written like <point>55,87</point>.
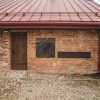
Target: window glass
<point>45,47</point>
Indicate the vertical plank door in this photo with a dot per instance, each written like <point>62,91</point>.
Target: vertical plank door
<point>19,51</point>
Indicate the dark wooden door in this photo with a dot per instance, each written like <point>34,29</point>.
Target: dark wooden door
<point>19,51</point>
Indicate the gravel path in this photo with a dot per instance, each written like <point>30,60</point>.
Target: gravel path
<point>53,88</point>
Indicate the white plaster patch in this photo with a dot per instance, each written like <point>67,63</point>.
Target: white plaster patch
<point>54,64</point>
<point>71,69</point>
<point>4,64</point>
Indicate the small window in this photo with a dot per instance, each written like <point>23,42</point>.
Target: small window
<point>74,54</point>
<point>45,47</point>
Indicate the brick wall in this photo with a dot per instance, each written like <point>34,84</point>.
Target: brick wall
<point>5,53</point>
<point>65,40</point>
<point>71,41</point>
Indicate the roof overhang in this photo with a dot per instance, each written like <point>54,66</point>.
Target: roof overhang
<point>49,25</point>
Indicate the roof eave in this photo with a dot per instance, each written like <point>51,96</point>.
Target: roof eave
<point>53,25</point>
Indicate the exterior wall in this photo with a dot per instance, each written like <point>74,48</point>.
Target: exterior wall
<point>5,54</point>
<point>68,41</point>
<point>65,40</point>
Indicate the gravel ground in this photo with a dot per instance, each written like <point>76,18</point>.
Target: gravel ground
<point>52,88</point>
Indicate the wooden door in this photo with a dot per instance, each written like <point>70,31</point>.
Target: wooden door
<point>19,51</point>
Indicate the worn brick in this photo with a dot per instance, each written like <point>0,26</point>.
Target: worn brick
<point>65,40</point>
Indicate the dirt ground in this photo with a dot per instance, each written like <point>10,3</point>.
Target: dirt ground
<point>55,87</point>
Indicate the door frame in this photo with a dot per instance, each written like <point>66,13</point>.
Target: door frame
<point>17,31</point>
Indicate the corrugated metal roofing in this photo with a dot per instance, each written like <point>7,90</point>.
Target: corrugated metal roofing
<point>49,14</point>
<point>49,10</point>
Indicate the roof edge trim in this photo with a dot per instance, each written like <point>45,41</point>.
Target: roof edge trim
<point>53,25</point>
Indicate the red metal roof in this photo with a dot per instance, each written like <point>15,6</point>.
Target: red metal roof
<point>56,11</point>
